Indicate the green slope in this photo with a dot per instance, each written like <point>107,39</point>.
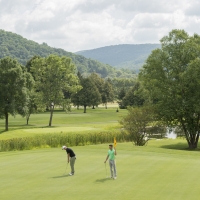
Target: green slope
<point>16,46</point>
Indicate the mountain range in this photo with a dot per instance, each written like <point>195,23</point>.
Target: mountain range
<point>131,56</point>
<point>15,46</point>
<point>117,61</point>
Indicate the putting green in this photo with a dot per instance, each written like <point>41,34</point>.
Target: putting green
<point>156,171</point>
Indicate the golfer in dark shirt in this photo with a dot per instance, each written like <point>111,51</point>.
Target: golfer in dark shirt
<point>71,157</point>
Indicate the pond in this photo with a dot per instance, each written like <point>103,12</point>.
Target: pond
<point>171,134</point>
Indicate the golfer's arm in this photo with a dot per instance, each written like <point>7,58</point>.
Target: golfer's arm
<point>68,157</point>
<point>106,158</point>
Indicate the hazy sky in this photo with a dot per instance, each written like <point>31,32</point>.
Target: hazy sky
<point>86,24</point>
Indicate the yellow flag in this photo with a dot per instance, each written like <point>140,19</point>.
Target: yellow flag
<point>115,142</point>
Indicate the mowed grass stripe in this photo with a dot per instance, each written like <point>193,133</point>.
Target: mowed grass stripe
<point>143,173</point>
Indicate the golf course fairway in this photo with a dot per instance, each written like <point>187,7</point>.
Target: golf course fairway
<point>155,171</point>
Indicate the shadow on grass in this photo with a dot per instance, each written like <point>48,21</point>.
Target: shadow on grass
<point>2,131</point>
<point>103,180</point>
<point>63,176</point>
<point>25,126</point>
<point>178,146</point>
<point>15,127</point>
<point>48,126</point>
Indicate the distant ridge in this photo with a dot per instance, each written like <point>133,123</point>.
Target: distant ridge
<point>16,46</point>
<point>131,56</point>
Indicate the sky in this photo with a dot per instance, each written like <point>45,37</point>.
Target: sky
<point>76,25</point>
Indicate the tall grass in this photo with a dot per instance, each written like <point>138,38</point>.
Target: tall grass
<point>59,139</point>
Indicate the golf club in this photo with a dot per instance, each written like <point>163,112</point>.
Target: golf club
<point>106,171</point>
<point>66,169</point>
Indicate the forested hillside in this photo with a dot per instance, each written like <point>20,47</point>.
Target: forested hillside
<point>16,46</point>
<point>129,56</point>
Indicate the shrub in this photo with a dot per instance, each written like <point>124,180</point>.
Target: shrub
<point>140,124</point>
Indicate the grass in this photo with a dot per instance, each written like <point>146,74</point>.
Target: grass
<point>164,169</point>
<point>155,171</point>
<point>98,119</point>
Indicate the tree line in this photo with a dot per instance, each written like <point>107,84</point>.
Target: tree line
<point>27,90</point>
<point>49,82</point>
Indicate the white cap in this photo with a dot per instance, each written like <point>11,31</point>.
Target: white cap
<point>64,147</point>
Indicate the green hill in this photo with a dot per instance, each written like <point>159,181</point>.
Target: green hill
<point>16,46</point>
<point>130,56</point>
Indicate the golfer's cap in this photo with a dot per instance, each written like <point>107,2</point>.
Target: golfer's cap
<point>63,147</point>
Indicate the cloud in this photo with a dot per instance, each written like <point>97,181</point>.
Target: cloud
<point>86,24</point>
<point>193,9</point>
<point>151,6</point>
<point>142,6</point>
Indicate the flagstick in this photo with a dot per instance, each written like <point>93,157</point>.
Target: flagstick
<point>115,142</point>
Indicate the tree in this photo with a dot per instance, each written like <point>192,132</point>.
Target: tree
<point>99,83</point>
<point>107,93</point>
<point>122,94</point>
<point>88,95</point>
<point>171,76</point>
<point>122,83</point>
<point>132,97</point>
<point>29,63</point>
<point>13,88</point>
<point>31,106</point>
<point>54,75</point>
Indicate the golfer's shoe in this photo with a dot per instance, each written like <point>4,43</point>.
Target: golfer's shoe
<point>115,178</point>
<point>71,174</point>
